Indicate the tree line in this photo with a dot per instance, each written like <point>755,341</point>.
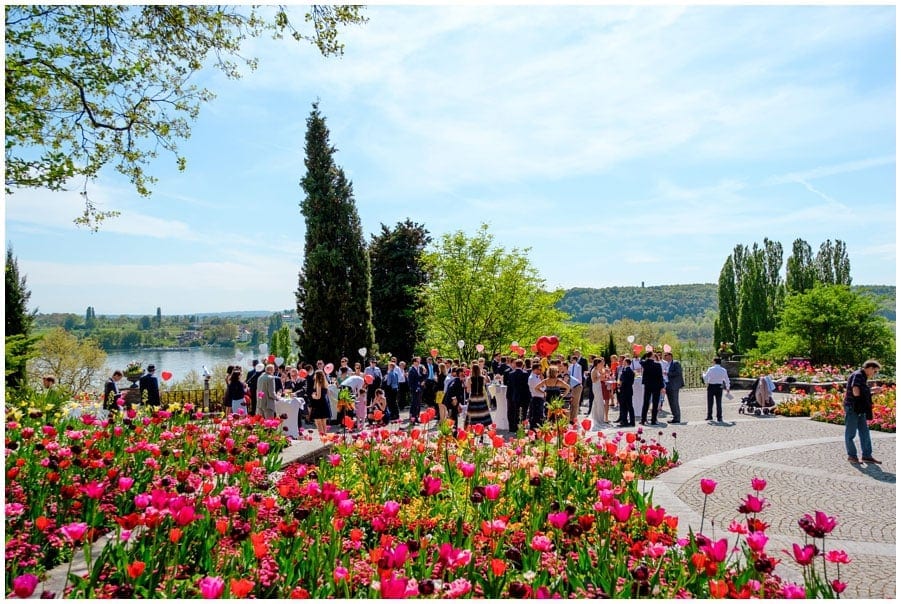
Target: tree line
<point>811,311</point>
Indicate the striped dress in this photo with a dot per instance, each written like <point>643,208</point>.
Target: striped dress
<point>477,412</point>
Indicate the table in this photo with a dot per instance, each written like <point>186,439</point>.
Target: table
<point>290,408</point>
<point>499,393</point>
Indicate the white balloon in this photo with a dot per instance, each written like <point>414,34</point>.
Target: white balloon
<point>362,351</point>
<point>460,343</point>
<point>264,348</point>
<point>239,355</point>
<point>279,361</point>
<point>630,339</point>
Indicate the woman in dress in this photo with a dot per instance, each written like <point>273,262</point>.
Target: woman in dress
<point>236,391</point>
<point>553,387</point>
<point>320,402</point>
<point>376,413</point>
<point>600,390</point>
<point>477,412</point>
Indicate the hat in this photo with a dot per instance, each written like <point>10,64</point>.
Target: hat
<point>151,368</point>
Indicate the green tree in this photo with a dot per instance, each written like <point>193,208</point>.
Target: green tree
<point>19,322</point>
<point>483,294</point>
<point>830,324</point>
<point>90,319</point>
<point>398,279</point>
<point>275,323</point>
<point>774,285</point>
<point>159,316</point>
<point>74,362</point>
<point>333,300</point>
<point>280,342</point>
<point>832,264</point>
<point>800,272</point>
<point>753,313</point>
<point>145,323</point>
<point>725,327</point>
<point>91,85</point>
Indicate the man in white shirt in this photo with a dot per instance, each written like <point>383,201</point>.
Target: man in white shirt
<point>716,379</point>
<point>536,405</point>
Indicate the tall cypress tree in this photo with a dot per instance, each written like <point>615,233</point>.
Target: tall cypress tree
<point>333,286</point>
<point>398,278</point>
<point>775,287</point>
<point>800,273</point>
<point>832,264</point>
<point>18,323</point>
<point>752,299</point>
<point>725,327</point>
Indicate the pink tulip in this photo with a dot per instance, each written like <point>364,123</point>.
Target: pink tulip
<point>262,448</point>
<point>393,587</point>
<point>803,555</point>
<point>654,516</point>
<point>234,503</point>
<point>431,485</point>
<point>142,500</point>
<point>345,507</point>
<point>75,531</point>
<point>620,511</point>
<point>757,541</point>
<point>492,491</point>
<point>716,551</point>
<point>185,516</point>
<point>838,556</point>
<point>792,591</point>
<point>558,520</point>
<point>94,489</point>
<point>211,588</point>
<point>838,586</point>
<point>758,484</point>
<point>390,509</point>
<point>540,543</point>
<point>751,505</point>
<point>603,485</point>
<point>467,469</point>
<point>340,573</point>
<point>708,485</point>
<point>125,483</point>
<point>818,526</point>
<point>23,585</point>
<point>334,459</point>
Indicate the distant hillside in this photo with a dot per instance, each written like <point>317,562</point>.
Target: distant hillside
<point>672,302</point>
<point>653,303</point>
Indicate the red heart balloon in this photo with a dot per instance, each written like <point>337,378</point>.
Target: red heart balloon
<point>544,346</point>
<point>167,375</point>
<point>636,349</point>
<point>271,358</point>
<point>434,352</point>
<point>555,342</point>
<point>303,374</point>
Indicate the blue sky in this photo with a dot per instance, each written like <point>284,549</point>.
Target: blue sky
<point>621,144</point>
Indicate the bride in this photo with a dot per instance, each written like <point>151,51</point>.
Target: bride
<point>599,374</point>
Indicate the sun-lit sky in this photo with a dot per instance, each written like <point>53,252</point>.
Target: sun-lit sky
<point>621,144</point>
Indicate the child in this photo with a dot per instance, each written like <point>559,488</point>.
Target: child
<point>379,404</point>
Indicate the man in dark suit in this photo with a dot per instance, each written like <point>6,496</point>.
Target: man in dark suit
<point>518,395</point>
<point>673,384</point>
<point>624,394</point>
<point>652,380</point>
<point>252,376</point>
<point>415,381</point>
<point>111,391</point>
<point>150,388</point>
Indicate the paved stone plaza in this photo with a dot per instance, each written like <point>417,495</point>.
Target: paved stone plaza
<point>804,464</point>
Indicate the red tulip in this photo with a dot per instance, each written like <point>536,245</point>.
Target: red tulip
<point>718,589</point>
<point>570,438</point>
<point>135,569</point>
<point>239,588</point>
<point>708,485</point>
<point>758,484</point>
<point>838,586</point>
<point>654,516</point>
<point>42,522</point>
<point>498,567</point>
<point>586,424</point>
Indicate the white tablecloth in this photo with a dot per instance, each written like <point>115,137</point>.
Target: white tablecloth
<point>289,407</point>
<point>637,397</point>
<point>499,393</point>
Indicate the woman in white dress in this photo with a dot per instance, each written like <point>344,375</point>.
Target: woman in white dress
<point>599,406</point>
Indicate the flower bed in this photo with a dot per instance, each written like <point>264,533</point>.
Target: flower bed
<point>800,370</point>
<point>202,509</point>
<point>828,406</point>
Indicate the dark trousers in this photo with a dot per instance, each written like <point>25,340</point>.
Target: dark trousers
<point>652,396</point>
<point>626,411</point>
<point>403,394</point>
<point>536,412</point>
<point>672,397</point>
<point>715,392</point>
<point>391,398</point>
<point>512,413</point>
<point>415,404</point>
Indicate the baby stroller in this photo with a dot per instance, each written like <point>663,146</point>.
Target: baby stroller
<point>759,400</point>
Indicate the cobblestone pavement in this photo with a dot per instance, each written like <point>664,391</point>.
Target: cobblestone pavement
<point>804,464</point>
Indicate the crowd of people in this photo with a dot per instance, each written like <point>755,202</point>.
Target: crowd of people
<point>458,390</point>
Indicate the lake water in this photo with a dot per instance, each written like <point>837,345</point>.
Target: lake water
<point>179,362</point>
